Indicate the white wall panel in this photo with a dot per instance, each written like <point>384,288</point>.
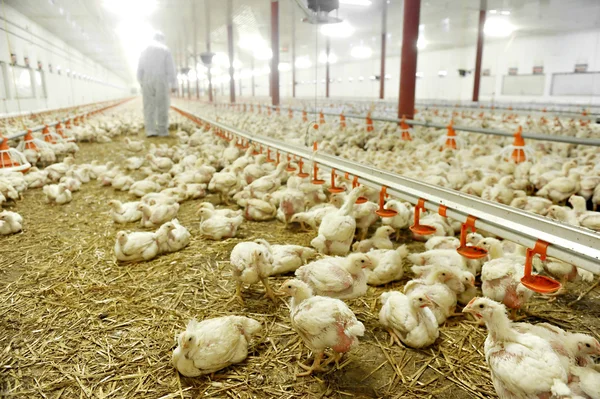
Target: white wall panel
<point>25,38</point>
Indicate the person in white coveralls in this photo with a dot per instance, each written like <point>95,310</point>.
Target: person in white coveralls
<point>156,75</point>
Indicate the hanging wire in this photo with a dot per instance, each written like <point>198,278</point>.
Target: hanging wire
<point>313,122</point>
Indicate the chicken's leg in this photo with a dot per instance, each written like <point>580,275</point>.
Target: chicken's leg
<point>394,338</point>
<point>238,293</point>
<point>334,358</point>
<point>514,317</point>
<point>269,291</point>
<point>316,366</point>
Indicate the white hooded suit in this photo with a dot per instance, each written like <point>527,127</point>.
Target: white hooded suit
<point>156,75</point>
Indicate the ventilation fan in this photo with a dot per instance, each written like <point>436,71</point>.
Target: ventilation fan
<point>317,11</point>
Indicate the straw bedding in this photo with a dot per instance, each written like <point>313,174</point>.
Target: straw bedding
<point>74,323</point>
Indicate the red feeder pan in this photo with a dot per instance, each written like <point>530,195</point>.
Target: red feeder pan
<point>334,189</point>
<point>417,227</point>
<point>469,252</point>
<point>315,179</point>
<point>537,283</point>
<point>269,159</point>
<point>301,173</point>
<point>384,213</point>
<point>290,168</point>
<point>359,200</point>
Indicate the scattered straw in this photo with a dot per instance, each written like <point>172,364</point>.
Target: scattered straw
<point>74,323</point>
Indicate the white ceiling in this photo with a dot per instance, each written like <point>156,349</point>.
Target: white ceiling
<point>447,24</point>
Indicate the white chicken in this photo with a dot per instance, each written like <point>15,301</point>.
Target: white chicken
<point>313,217</point>
<point>213,344</point>
<point>10,223</point>
<point>511,355</point>
<point>388,265</point>
<point>269,183</point>
<point>585,218</point>
<point>292,202</point>
<point>337,228</point>
<point>437,288</point>
<point>142,187</point>
<point>437,242</point>
<point>124,212</point>
<point>177,238</point>
<point>288,258</point>
<point>216,226</point>
<point>134,146</point>
<point>251,262</point>
<point>134,163</point>
<point>159,164</point>
<point>337,277</point>
<point>226,183</point>
<point>401,220</point>
<point>220,212</point>
<point>156,215</point>
<point>380,240</point>
<point>57,193</point>
<point>260,209</point>
<point>139,246</point>
<point>501,281</point>
<point>322,323</point>
<point>71,183</point>
<point>408,319</point>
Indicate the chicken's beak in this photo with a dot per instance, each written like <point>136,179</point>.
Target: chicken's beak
<point>428,301</point>
<point>472,281</point>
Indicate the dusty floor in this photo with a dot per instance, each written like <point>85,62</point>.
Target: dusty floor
<point>74,323</point>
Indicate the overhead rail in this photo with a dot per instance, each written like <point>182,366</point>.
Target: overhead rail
<point>570,244</point>
<point>70,118</point>
<point>533,136</point>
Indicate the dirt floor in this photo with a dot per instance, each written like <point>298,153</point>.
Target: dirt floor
<point>75,323</point>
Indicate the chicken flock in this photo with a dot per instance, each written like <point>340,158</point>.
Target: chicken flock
<point>352,247</point>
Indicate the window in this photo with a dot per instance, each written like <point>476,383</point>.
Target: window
<point>2,80</point>
<point>22,81</point>
<point>40,84</point>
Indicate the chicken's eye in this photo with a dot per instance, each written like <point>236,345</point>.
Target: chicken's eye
<point>420,299</point>
<point>289,286</point>
<point>481,306</point>
<point>588,345</point>
<point>444,274</point>
<point>362,261</point>
<point>190,339</point>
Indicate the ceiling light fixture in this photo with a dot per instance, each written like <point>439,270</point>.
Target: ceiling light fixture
<point>361,52</point>
<point>339,30</point>
<point>421,43</point>
<point>323,59</point>
<point>303,63</point>
<point>498,27</point>
<point>284,67</point>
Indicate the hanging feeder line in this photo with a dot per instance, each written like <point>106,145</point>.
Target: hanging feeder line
<point>500,106</point>
<point>66,121</point>
<point>567,243</point>
<point>533,136</point>
<point>34,114</point>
